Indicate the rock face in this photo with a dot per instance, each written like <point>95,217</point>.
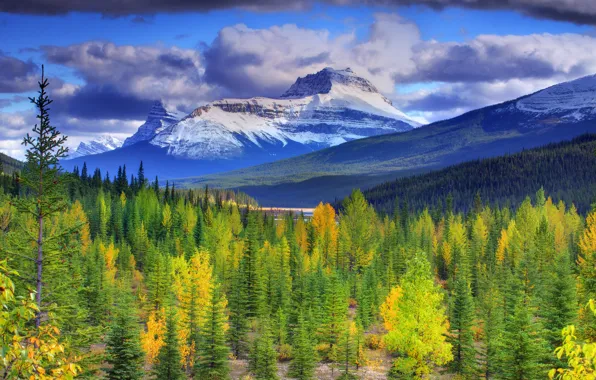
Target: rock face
<point>318,111</point>
<point>158,119</point>
<point>102,144</point>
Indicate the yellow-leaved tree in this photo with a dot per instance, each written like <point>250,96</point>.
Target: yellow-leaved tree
<point>414,316</point>
<point>27,352</point>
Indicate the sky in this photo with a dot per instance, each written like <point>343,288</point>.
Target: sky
<point>108,61</point>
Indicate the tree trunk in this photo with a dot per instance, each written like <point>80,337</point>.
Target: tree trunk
<point>39,263</point>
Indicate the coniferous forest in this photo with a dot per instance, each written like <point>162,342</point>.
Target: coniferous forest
<point>118,278</point>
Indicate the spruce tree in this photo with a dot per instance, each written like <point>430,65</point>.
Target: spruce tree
<point>335,316</point>
<point>237,306</point>
<point>304,354</point>
<point>522,349</point>
<point>560,300</point>
<point>199,231</point>
<point>212,361</point>
<point>263,357</point>
<point>462,337</point>
<point>42,177</point>
<point>168,365</point>
<point>123,347</point>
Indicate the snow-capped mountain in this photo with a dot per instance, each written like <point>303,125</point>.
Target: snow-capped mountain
<point>102,144</point>
<point>569,101</point>
<point>159,118</point>
<point>318,111</point>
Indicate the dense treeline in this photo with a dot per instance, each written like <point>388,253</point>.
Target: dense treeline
<point>565,170</point>
<point>8,165</point>
<point>124,284</point>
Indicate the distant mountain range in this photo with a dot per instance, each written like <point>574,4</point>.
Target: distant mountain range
<point>554,114</point>
<point>99,145</point>
<point>320,110</point>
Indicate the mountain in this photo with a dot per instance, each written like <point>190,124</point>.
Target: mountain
<point>8,165</point>
<point>99,145</point>
<point>159,118</point>
<point>320,110</point>
<point>323,109</point>
<point>554,114</point>
<point>565,171</point>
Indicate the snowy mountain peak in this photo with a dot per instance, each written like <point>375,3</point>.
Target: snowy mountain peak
<point>324,81</point>
<point>573,100</point>
<point>159,118</point>
<point>104,143</point>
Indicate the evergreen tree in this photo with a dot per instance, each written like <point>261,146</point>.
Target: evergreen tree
<point>123,346</point>
<point>199,231</point>
<point>41,176</point>
<point>462,337</point>
<point>141,176</point>
<point>263,357</point>
<point>212,361</point>
<point>304,354</point>
<point>560,301</point>
<point>335,317</point>
<point>237,307</point>
<point>168,365</point>
<point>522,349</point>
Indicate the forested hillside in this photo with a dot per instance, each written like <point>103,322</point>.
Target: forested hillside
<point>565,170</point>
<point>122,279</point>
<point>9,165</point>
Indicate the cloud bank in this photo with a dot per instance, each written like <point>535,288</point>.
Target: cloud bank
<point>576,11</point>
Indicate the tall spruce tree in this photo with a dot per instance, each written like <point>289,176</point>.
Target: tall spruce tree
<point>42,177</point>
<point>304,354</point>
<point>212,361</point>
<point>462,337</point>
<point>263,357</point>
<point>123,347</point>
<point>523,351</point>
<point>168,365</point>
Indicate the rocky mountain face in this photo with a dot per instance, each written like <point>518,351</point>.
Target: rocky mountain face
<point>318,111</point>
<point>159,118</point>
<point>321,110</point>
<point>99,145</point>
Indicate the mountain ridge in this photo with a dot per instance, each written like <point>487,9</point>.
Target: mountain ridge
<point>486,132</point>
<point>233,133</point>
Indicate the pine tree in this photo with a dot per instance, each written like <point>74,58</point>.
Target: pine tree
<point>560,300</point>
<point>335,316</point>
<point>41,176</point>
<point>237,307</point>
<point>212,361</point>
<point>249,265</point>
<point>348,349</point>
<point>123,347</point>
<point>462,337</point>
<point>168,365</point>
<point>522,349</point>
<point>141,176</point>
<point>304,362</point>
<point>199,231</point>
<point>263,357</point>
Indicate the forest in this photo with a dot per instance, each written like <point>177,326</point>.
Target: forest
<point>565,171</point>
<point>123,279</point>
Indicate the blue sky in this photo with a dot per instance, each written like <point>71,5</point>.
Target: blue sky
<point>433,63</point>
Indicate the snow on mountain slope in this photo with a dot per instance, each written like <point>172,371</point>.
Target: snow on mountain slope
<point>574,100</point>
<point>102,144</point>
<point>159,118</point>
<point>318,111</point>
